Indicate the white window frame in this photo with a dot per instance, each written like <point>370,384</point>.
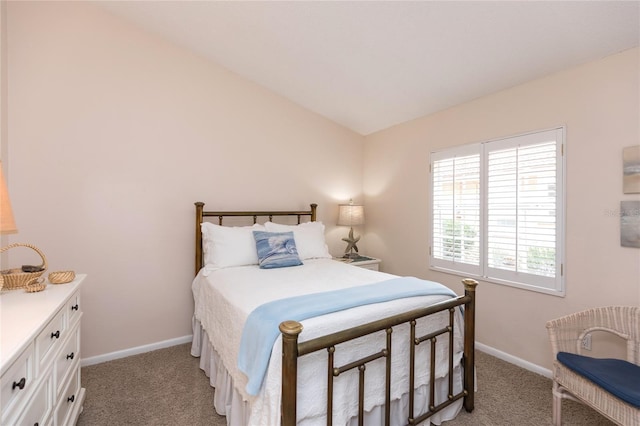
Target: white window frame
<point>549,285</point>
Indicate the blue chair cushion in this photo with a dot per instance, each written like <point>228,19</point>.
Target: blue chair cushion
<point>618,377</point>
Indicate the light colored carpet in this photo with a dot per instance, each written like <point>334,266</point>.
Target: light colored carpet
<point>166,387</point>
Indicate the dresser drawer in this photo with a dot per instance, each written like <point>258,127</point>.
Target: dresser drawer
<point>16,383</point>
<point>40,407</point>
<point>50,338</point>
<point>66,359</point>
<point>68,400</point>
<point>74,308</point>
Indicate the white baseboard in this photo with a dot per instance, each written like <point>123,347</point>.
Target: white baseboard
<point>134,351</point>
<point>514,360</point>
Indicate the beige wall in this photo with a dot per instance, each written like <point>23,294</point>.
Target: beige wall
<point>113,134</point>
<point>598,103</point>
<point>3,108</point>
<point>3,79</point>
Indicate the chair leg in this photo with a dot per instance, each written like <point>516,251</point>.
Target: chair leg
<point>557,404</point>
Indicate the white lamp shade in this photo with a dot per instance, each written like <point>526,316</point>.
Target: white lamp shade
<point>351,215</point>
<point>7,223</point>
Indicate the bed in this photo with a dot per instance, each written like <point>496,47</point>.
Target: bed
<point>404,354</point>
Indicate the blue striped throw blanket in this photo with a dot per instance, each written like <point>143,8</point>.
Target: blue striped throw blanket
<point>261,329</point>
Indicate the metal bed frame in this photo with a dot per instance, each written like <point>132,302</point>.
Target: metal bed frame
<point>292,350</point>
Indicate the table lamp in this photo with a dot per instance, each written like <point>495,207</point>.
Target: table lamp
<point>28,276</point>
<point>351,215</point>
<point>7,223</point>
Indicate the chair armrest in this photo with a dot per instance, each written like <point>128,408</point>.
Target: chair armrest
<point>566,333</point>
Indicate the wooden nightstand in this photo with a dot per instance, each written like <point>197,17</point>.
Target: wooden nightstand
<point>363,262</point>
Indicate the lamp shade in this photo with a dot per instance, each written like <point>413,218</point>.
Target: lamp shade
<point>351,215</point>
<point>7,224</point>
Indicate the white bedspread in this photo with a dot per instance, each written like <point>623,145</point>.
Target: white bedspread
<point>225,298</point>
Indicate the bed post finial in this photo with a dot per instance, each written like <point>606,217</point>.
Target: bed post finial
<point>290,331</point>
<point>469,342</point>
<point>199,209</point>
<point>314,206</point>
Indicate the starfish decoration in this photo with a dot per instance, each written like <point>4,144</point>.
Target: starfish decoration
<point>351,242</point>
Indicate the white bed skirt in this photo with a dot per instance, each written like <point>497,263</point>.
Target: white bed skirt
<point>228,402</point>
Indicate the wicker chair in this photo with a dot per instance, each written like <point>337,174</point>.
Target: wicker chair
<point>566,336</point>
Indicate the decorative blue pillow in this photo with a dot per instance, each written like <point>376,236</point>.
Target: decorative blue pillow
<point>276,249</point>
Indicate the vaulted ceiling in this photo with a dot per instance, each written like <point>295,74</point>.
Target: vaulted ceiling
<point>370,65</point>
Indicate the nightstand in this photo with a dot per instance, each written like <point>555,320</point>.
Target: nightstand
<point>363,262</point>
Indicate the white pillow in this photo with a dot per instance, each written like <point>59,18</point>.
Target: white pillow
<point>309,237</point>
<point>226,246</point>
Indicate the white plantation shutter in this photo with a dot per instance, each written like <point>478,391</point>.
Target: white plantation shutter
<point>523,209</point>
<point>501,210</point>
<point>456,211</point>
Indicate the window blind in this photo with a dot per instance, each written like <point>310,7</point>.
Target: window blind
<point>497,210</point>
<point>521,209</point>
<point>456,209</point>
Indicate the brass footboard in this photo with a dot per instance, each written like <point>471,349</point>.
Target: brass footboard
<point>292,350</point>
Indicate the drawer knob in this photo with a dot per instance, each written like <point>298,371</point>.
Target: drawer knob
<point>19,384</point>
<point>71,398</point>
<point>56,334</point>
<point>70,356</point>
<point>74,307</point>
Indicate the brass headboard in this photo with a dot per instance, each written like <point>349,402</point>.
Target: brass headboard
<point>201,214</point>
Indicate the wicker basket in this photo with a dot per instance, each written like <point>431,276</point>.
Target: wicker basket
<point>12,279</point>
<point>61,277</point>
<point>35,285</point>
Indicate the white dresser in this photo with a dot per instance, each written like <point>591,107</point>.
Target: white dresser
<point>40,356</point>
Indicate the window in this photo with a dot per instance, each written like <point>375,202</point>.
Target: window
<point>498,211</point>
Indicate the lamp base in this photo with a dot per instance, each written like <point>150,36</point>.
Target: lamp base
<point>351,241</point>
